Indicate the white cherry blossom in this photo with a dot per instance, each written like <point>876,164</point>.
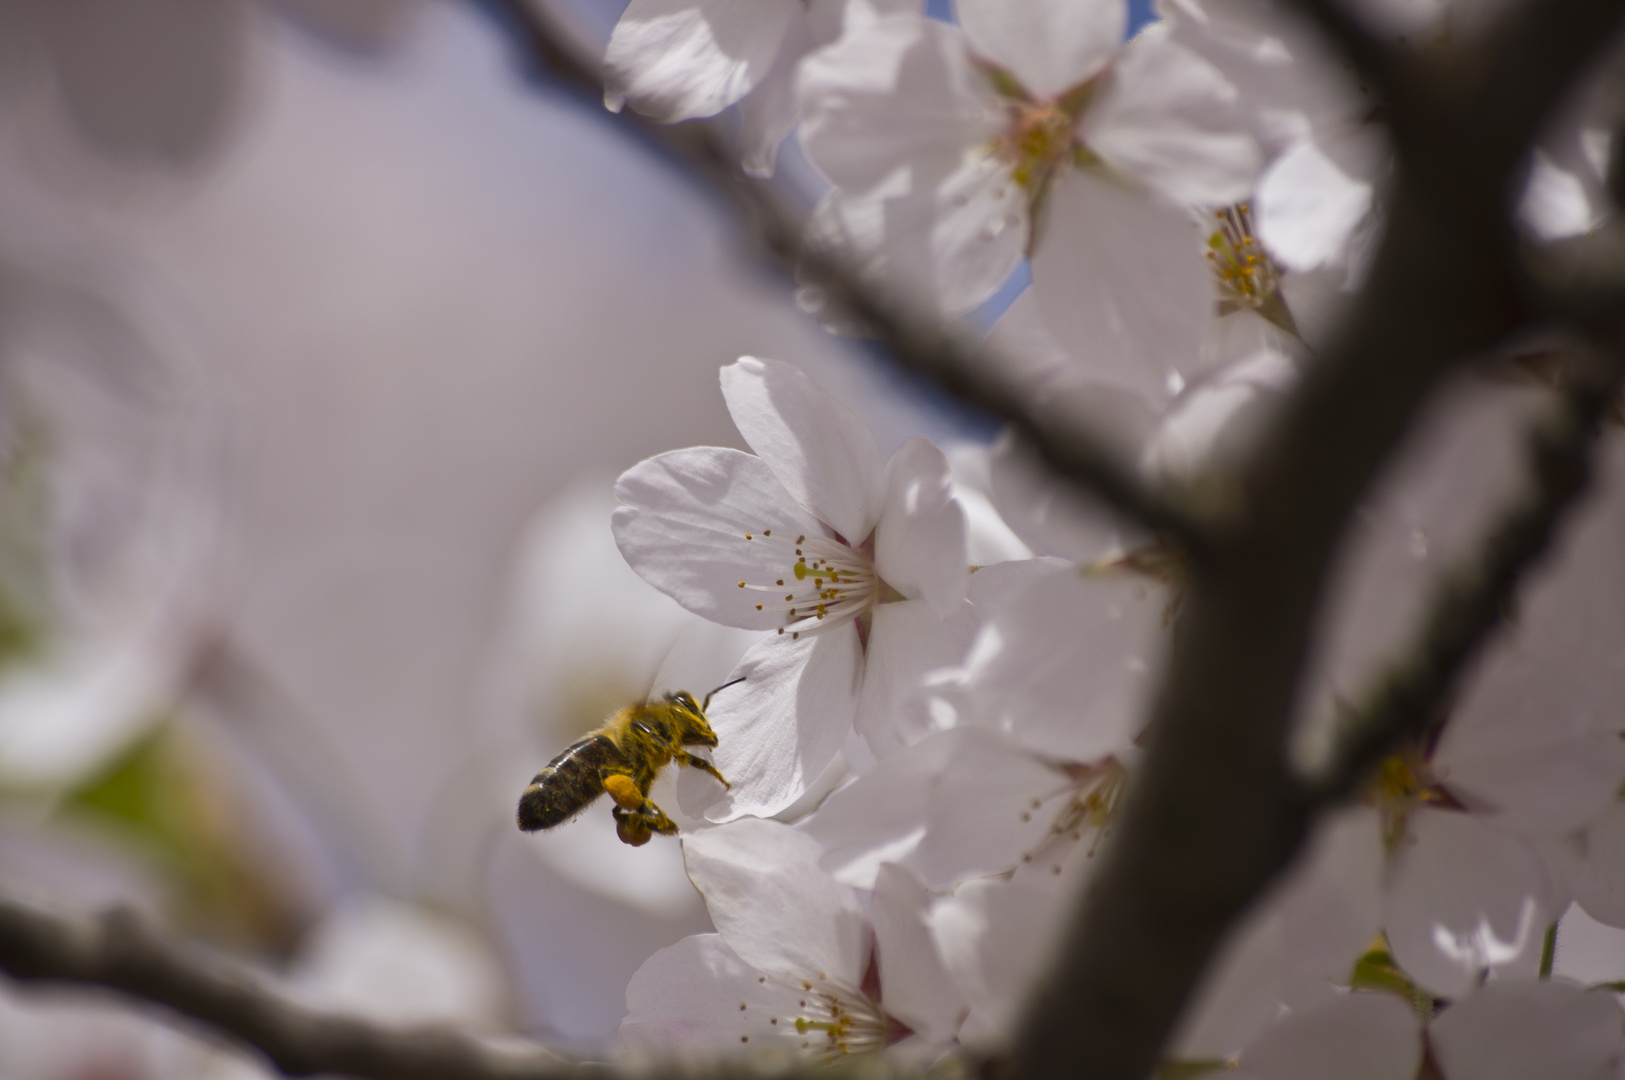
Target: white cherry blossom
<point>946,145</point>
<point>1501,1031</point>
<point>856,566</point>
<point>796,961</point>
<point>1327,158</point>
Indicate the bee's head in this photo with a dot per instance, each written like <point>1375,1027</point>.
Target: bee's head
<point>693,728</point>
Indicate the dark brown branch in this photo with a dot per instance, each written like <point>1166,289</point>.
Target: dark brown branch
<point>1471,601</point>
<point>121,954</point>
<point>913,339</point>
<point>1373,59</point>
<point>1215,814</point>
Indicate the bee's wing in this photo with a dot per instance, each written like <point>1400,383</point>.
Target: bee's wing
<point>660,679</point>
<point>702,656</point>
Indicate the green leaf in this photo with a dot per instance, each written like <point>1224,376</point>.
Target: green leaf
<point>1378,971</point>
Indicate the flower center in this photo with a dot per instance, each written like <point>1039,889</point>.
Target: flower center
<point>835,1024</point>
<point>825,582</point>
<point>1401,782</point>
<point>1159,560</point>
<point>1096,798</point>
<point>1039,138</point>
<point>1247,276</point>
<point>1100,792</point>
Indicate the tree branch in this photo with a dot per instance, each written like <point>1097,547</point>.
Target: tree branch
<point>1214,813</point>
<point>121,954</point>
<point>1471,601</point>
<point>1369,55</point>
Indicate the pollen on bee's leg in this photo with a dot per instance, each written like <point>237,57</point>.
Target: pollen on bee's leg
<point>624,790</point>
<point>632,831</point>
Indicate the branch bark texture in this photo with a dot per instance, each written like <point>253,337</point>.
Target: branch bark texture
<point>121,954</point>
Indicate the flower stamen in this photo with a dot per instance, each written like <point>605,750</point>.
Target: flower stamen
<point>829,582</point>
<point>1247,276</point>
<point>850,1024</point>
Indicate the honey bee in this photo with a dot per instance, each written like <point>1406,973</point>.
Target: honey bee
<point>623,758</point>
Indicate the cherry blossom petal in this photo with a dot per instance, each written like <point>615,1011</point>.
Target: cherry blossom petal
<point>1239,994</point>
<point>683,525</point>
<point>1289,79</point>
<point>1357,1037</point>
<point>995,936</point>
<point>1309,204</point>
<point>823,454</point>
<point>688,997</point>
<point>769,114</point>
<point>1122,403</point>
<point>1462,899</point>
<point>1439,497</point>
<point>1170,119</point>
<point>913,983</point>
<point>906,640</point>
<point>992,803</point>
<point>1515,1030</point>
<point>1534,786</point>
<point>1535,734</point>
<point>1050,513</point>
<point>680,59</point>
<point>880,816</point>
<point>920,538</point>
<point>1330,904</point>
<point>1588,952</point>
<point>1215,422</point>
<point>1596,871</point>
<point>1119,277</point>
<point>778,730</point>
<point>1050,45</point>
<point>991,587</point>
<point>1065,666</point>
<point>901,93</point>
<point>988,537</point>
<point>775,907</point>
<point>944,241</point>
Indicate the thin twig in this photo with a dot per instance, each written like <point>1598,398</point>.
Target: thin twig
<point>1472,599</point>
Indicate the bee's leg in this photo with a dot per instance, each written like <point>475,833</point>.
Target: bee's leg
<point>635,815</point>
<point>685,758</point>
<point>656,819</point>
<point>631,828</point>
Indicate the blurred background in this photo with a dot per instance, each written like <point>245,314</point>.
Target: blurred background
<point>325,327</point>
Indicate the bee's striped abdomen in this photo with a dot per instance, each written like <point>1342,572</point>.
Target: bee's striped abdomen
<point>568,783</point>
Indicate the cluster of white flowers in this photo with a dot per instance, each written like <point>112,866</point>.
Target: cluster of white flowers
<point>938,725</point>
